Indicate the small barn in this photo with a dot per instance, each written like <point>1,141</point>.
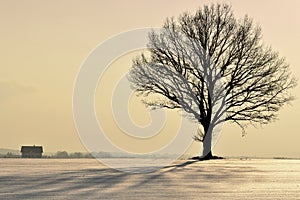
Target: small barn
<point>32,151</point>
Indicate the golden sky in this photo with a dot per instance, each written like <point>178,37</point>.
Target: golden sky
<point>44,43</point>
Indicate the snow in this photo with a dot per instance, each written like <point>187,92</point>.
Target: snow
<point>89,179</point>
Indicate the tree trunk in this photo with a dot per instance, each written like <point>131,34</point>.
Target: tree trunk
<point>207,156</point>
<point>207,142</point>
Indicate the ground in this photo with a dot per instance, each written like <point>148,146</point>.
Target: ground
<point>212,179</point>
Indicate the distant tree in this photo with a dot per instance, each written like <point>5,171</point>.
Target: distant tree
<point>11,155</point>
<point>76,155</point>
<point>61,154</point>
<point>192,54</point>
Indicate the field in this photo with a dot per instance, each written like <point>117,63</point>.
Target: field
<point>88,179</point>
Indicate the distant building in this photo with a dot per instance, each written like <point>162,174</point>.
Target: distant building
<point>32,151</point>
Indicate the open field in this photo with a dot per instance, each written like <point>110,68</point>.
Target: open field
<point>88,179</point>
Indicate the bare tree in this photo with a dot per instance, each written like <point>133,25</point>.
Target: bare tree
<point>211,58</point>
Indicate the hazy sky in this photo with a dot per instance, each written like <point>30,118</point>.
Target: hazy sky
<point>44,43</point>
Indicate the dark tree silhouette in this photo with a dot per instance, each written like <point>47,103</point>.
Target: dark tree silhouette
<point>208,59</point>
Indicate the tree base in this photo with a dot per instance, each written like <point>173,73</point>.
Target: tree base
<point>207,157</point>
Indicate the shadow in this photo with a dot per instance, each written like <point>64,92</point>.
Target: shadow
<point>181,165</point>
<point>77,180</point>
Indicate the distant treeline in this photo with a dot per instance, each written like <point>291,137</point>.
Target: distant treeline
<point>65,154</point>
<point>10,155</point>
<point>58,154</point>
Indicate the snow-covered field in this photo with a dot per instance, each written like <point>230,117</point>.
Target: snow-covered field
<point>88,179</point>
